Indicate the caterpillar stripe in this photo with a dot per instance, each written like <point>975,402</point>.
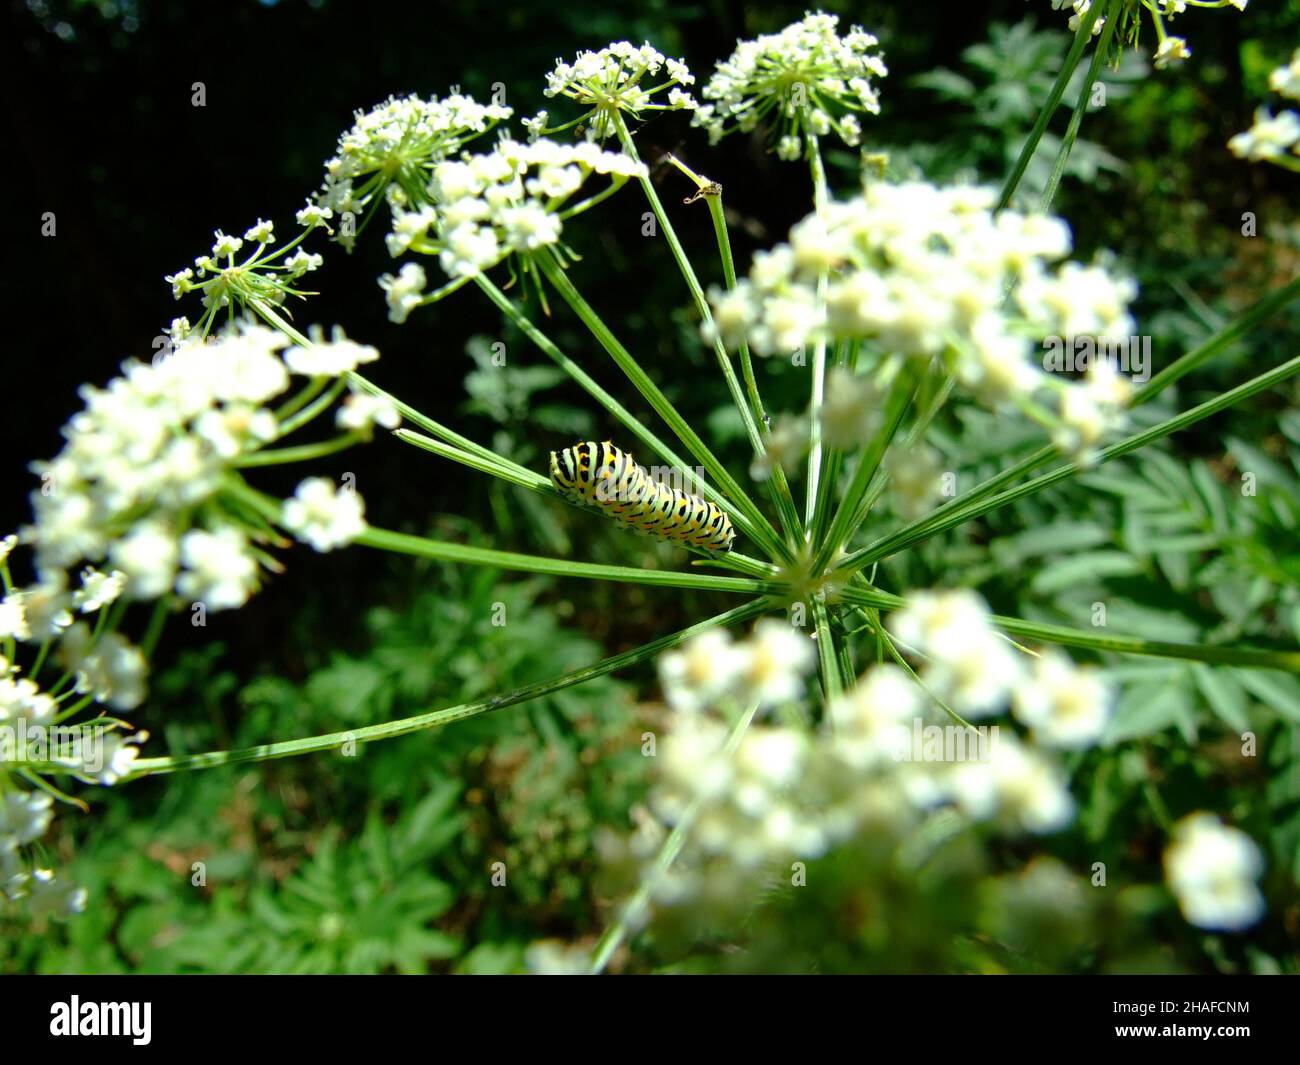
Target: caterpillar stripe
<point>608,478</point>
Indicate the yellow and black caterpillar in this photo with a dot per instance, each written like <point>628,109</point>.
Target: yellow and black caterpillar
<point>608,478</point>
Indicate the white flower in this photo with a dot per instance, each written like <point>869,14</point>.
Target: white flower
<point>807,77</point>
<point>261,233</point>
<point>312,216</point>
<point>107,666</point>
<point>13,619</point>
<point>148,555</point>
<point>924,271</point>
<point>612,80</point>
<point>785,445</point>
<point>701,672</point>
<point>1170,51</point>
<point>915,480</point>
<point>1066,705</point>
<point>98,589</point>
<point>323,516</point>
<point>302,262</point>
<point>1269,138</point>
<point>53,896</point>
<point>849,411</point>
<point>872,720</point>
<point>25,815</point>
<point>1286,80</point>
<point>329,359</point>
<point>361,411</point>
<point>402,138</point>
<point>508,200</point>
<point>1211,869</point>
<point>1017,785</point>
<point>225,246</point>
<point>220,570</point>
<point>405,291</point>
<point>114,760</point>
<point>773,662</point>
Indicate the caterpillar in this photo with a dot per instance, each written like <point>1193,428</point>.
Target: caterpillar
<point>607,478</point>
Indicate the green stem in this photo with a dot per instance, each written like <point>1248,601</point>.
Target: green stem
<point>1251,657</point>
<point>1081,105</point>
<point>635,908</point>
<point>548,347</point>
<point>828,658</point>
<point>760,528</point>
<point>446,551</point>
<point>518,475</point>
<point>435,718</point>
<point>949,516</point>
<point>300,453</point>
<point>900,400</point>
<point>712,194</point>
<point>1081,38</point>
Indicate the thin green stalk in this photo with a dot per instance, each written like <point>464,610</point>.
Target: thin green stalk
<point>548,347</point>
<point>828,657</point>
<point>778,485</point>
<point>635,908</point>
<point>288,423</point>
<point>1081,105</point>
<point>896,407</point>
<point>299,453</point>
<point>949,516</point>
<point>446,551</point>
<point>740,501</point>
<point>1090,639</point>
<point>432,719</point>
<point>511,472</point>
<point>1234,330</point>
<point>818,390</point>
<point>1081,38</point>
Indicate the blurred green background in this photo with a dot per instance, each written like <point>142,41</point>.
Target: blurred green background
<point>381,863</point>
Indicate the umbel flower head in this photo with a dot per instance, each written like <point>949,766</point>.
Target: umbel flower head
<point>1170,50</point>
<point>265,277</point>
<point>806,79</point>
<point>621,78</point>
<point>392,149</point>
<point>921,271</point>
<point>1274,138</point>
<point>139,479</point>
<point>481,209</point>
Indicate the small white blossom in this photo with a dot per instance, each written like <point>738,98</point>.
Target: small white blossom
<point>405,291</point>
<point>701,672</point>
<point>1066,705</point>
<point>323,516</point>
<point>1212,869</point>
<point>220,570</point>
<point>774,661</point>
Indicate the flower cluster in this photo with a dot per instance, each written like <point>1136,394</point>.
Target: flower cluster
<point>265,277</point>
<point>777,792</point>
<point>924,271</point>
<point>1212,869</point>
<point>613,81</point>
<point>391,150</point>
<point>483,208</point>
<point>814,79</point>
<point>975,670</point>
<point>1274,138</point>
<point>137,479</point>
<point>1169,49</point>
